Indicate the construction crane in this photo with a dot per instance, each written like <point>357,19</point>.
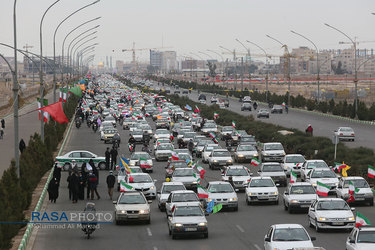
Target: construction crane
<point>27,47</point>
<point>246,54</point>
<point>134,49</point>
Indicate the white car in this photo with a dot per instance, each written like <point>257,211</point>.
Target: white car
<point>165,190</point>
<point>261,189</point>
<point>219,158</point>
<point>312,164</point>
<point>272,151</point>
<point>185,175</point>
<point>127,123</point>
<point>187,219</point>
<point>179,197</point>
<point>163,151</point>
<point>325,176</point>
<point>345,133</point>
<point>364,193</point>
<point>162,134</point>
<point>331,213</point>
<point>275,171</point>
<point>105,124</point>
<point>287,236</point>
<point>222,192</point>
<point>361,238</point>
<point>293,162</point>
<point>161,141</point>
<point>142,182</point>
<point>245,153</point>
<point>299,196</point>
<point>207,151</point>
<point>122,174</point>
<point>239,176</point>
<point>208,128</point>
<point>132,206</point>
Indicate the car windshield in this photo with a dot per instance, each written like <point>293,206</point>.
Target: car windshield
<point>305,189</point>
<point>227,129</point>
<point>210,148</point>
<point>317,164</point>
<point>209,125</point>
<point>132,199</point>
<point>221,188</point>
<point>169,188</point>
<point>137,156</point>
<point>290,234</point>
<point>203,142</point>
<point>188,211</point>
<point>333,205</point>
<point>366,237</point>
<point>263,110</point>
<point>183,172</point>
<point>261,183</point>
<point>272,168</point>
<point>323,174</point>
<point>136,170</point>
<point>237,172</point>
<point>273,147</point>
<point>220,154</point>
<point>246,148</point>
<point>165,147</point>
<point>178,165</point>
<point>294,159</point>
<point>141,178</point>
<point>162,132</point>
<point>346,130</point>
<point>360,183</point>
<point>247,139</point>
<point>137,132</point>
<point>184,197</point>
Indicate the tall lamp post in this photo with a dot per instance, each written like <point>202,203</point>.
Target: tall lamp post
<point>54,44</point>
<point>355,68</point>
<point>72,48</point>
<point>74,53</point>
<point>283,45</point>
<point>267,65</point>
<point>317,60</point>
<point>248,68</point>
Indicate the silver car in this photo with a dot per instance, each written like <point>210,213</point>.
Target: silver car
<point>166,189</point>
<point>132,206</point>
<point>245,152</point>
<point>345,133</point>
<point>219,158</point>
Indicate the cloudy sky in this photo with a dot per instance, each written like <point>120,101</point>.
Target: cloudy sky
<point>191,25</point>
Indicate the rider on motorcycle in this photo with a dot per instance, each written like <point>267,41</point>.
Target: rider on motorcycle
<point>89,222</point>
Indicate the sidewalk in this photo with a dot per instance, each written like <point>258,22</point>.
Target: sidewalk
<point>28,125</point>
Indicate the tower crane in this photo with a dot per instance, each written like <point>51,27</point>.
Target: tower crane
<point>134,49</point>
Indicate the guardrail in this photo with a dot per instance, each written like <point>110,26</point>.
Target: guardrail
<point>29,229</point>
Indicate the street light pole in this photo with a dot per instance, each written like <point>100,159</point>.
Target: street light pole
<point>267,65</point>
<point>355,68</point>
<point>317,60</point>
<point>41,69</point>
<point>287,50</point>
<point>74,53</point>
<point>248,67</point>
<point>71,49</point>
<point>54,45</point>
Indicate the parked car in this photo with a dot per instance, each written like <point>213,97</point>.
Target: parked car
<point>80,157</point>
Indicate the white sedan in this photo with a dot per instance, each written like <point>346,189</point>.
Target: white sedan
<point>361,238</point>
<point>345,133</point>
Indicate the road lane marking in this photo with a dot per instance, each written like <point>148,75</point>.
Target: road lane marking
<point>149,231</point>
<point>240,228</point>
<point>257,247</point>
<point>155,248</point>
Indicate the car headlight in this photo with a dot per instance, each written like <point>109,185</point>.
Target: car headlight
<point>209,200</point>
<point>232,199</point>
<point>146,211</point>
<point>314,184</point>
<point>123,211</point>
<point>283,153</point>
<point>265,154</point>
<point>322,219</point>
<point>229,160</point>
<point>250,194</point>
<point>275,193</point>
<point>178,225</point>
<point>351,219</point>
<point>255,155</point>
<point>240,156</point>
<point>202,224</point>
<point>152,187</point>
<point>294,201</point>
<point>215,161</point>
<point>195,182</point>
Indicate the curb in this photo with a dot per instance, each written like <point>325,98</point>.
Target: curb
<point>30,226</point>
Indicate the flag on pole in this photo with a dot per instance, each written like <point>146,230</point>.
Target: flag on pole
<point>124,164</point>
<point>175,156</point>
<point>202,192</point>
<point>63,94</point>
<point>216,115</point>
<point>255,162</point>
<point>212,135</point>
<point>343,171</point>
<point>352,188</point>
<point>45,114</point>
<point>283,104</point>
<point>130,146</point>
<point>217,208</point>
<point>322,189</point>
<point>293,177</point>
<point>233,124</point>
<point>339,166</point>
<point>371,171</point>
<point>197,110</point>
<point>361,220</point>
<point>201,171</point>
<point>56,111</point>
<point>125,187</point>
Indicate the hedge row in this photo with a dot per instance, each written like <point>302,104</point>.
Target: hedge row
<point>342,108</point>
<point>311,147</point>
<point>35,161</point>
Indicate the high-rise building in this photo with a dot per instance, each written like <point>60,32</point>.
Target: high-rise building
<point>156,59</point>
<point>169,61</point>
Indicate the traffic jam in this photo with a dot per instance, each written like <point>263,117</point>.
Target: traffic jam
<point>193,168</point>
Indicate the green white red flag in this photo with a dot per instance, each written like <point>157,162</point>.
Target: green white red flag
<point>125,187</point>
<point>293,177</point>
<point>143,163</point>
<point>255,162</point>
<point>233,124</point>
<point>361,220</point>
<point>371,171</point>
<point>322,189</point>
<point>352,188</point>
<point>202,192</point>
<point>216,115</point>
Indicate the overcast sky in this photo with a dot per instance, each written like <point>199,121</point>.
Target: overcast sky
<point>191,25</point>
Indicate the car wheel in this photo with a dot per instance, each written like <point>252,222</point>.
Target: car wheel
<point>67,166</point>
<point>309,222</point>
<point>148,221</point>
<point>248,202</point>
<point>285,207</point>
<point>169,231</point>
<point>102,165</point>
<point>371,203</point>
<point>205,235</point>
<point>317,228</point>
<point>117,222</point>
<point>174,236</point>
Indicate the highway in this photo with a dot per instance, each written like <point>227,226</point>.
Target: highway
<point>244,229</point>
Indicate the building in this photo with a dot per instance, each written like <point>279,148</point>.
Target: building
<point>156,59</point>
<point>120,66</point>
<point>169,61</point>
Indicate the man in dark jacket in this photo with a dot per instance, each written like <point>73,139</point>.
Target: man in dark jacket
<point>2,123</point>
<point>110,183</point>
<point>75,186</point>
<point>53,190</point>
<point>114,154</point>
<point>93,180</point>
<point>22,146</point>
<point>107,158</point>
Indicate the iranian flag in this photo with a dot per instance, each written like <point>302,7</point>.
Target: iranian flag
<point>63,94</point>
<point>201,171</point>
<point>216,115</point>
<point>143,163</point>
<point>215,140</point>
<point>202,192</point>
<point>361,220</point>
<point>130,147</point>
<point>212,135</point>
<point>255,162</point>
<point>352,188</point>
<point>45,114</point>
<point>175,156</point>
<point>371,171</point>
<point>322,189</point>
<point>125,187</point>
<point>233,124</point>
<point>197,110</point>
<point>339,166</point>
<point>293,177</point>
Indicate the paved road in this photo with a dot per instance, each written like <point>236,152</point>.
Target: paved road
<point>28,125</point>
<point>323,126</point>
<point>244,229</point>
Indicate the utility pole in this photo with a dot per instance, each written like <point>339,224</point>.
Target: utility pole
<point>15,92</point>
<point>242,73</point>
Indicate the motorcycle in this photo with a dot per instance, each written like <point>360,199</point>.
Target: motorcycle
<point>88,123</point>
<point>89,224</point>
<point>78,123</point>
<point>94,127</point>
